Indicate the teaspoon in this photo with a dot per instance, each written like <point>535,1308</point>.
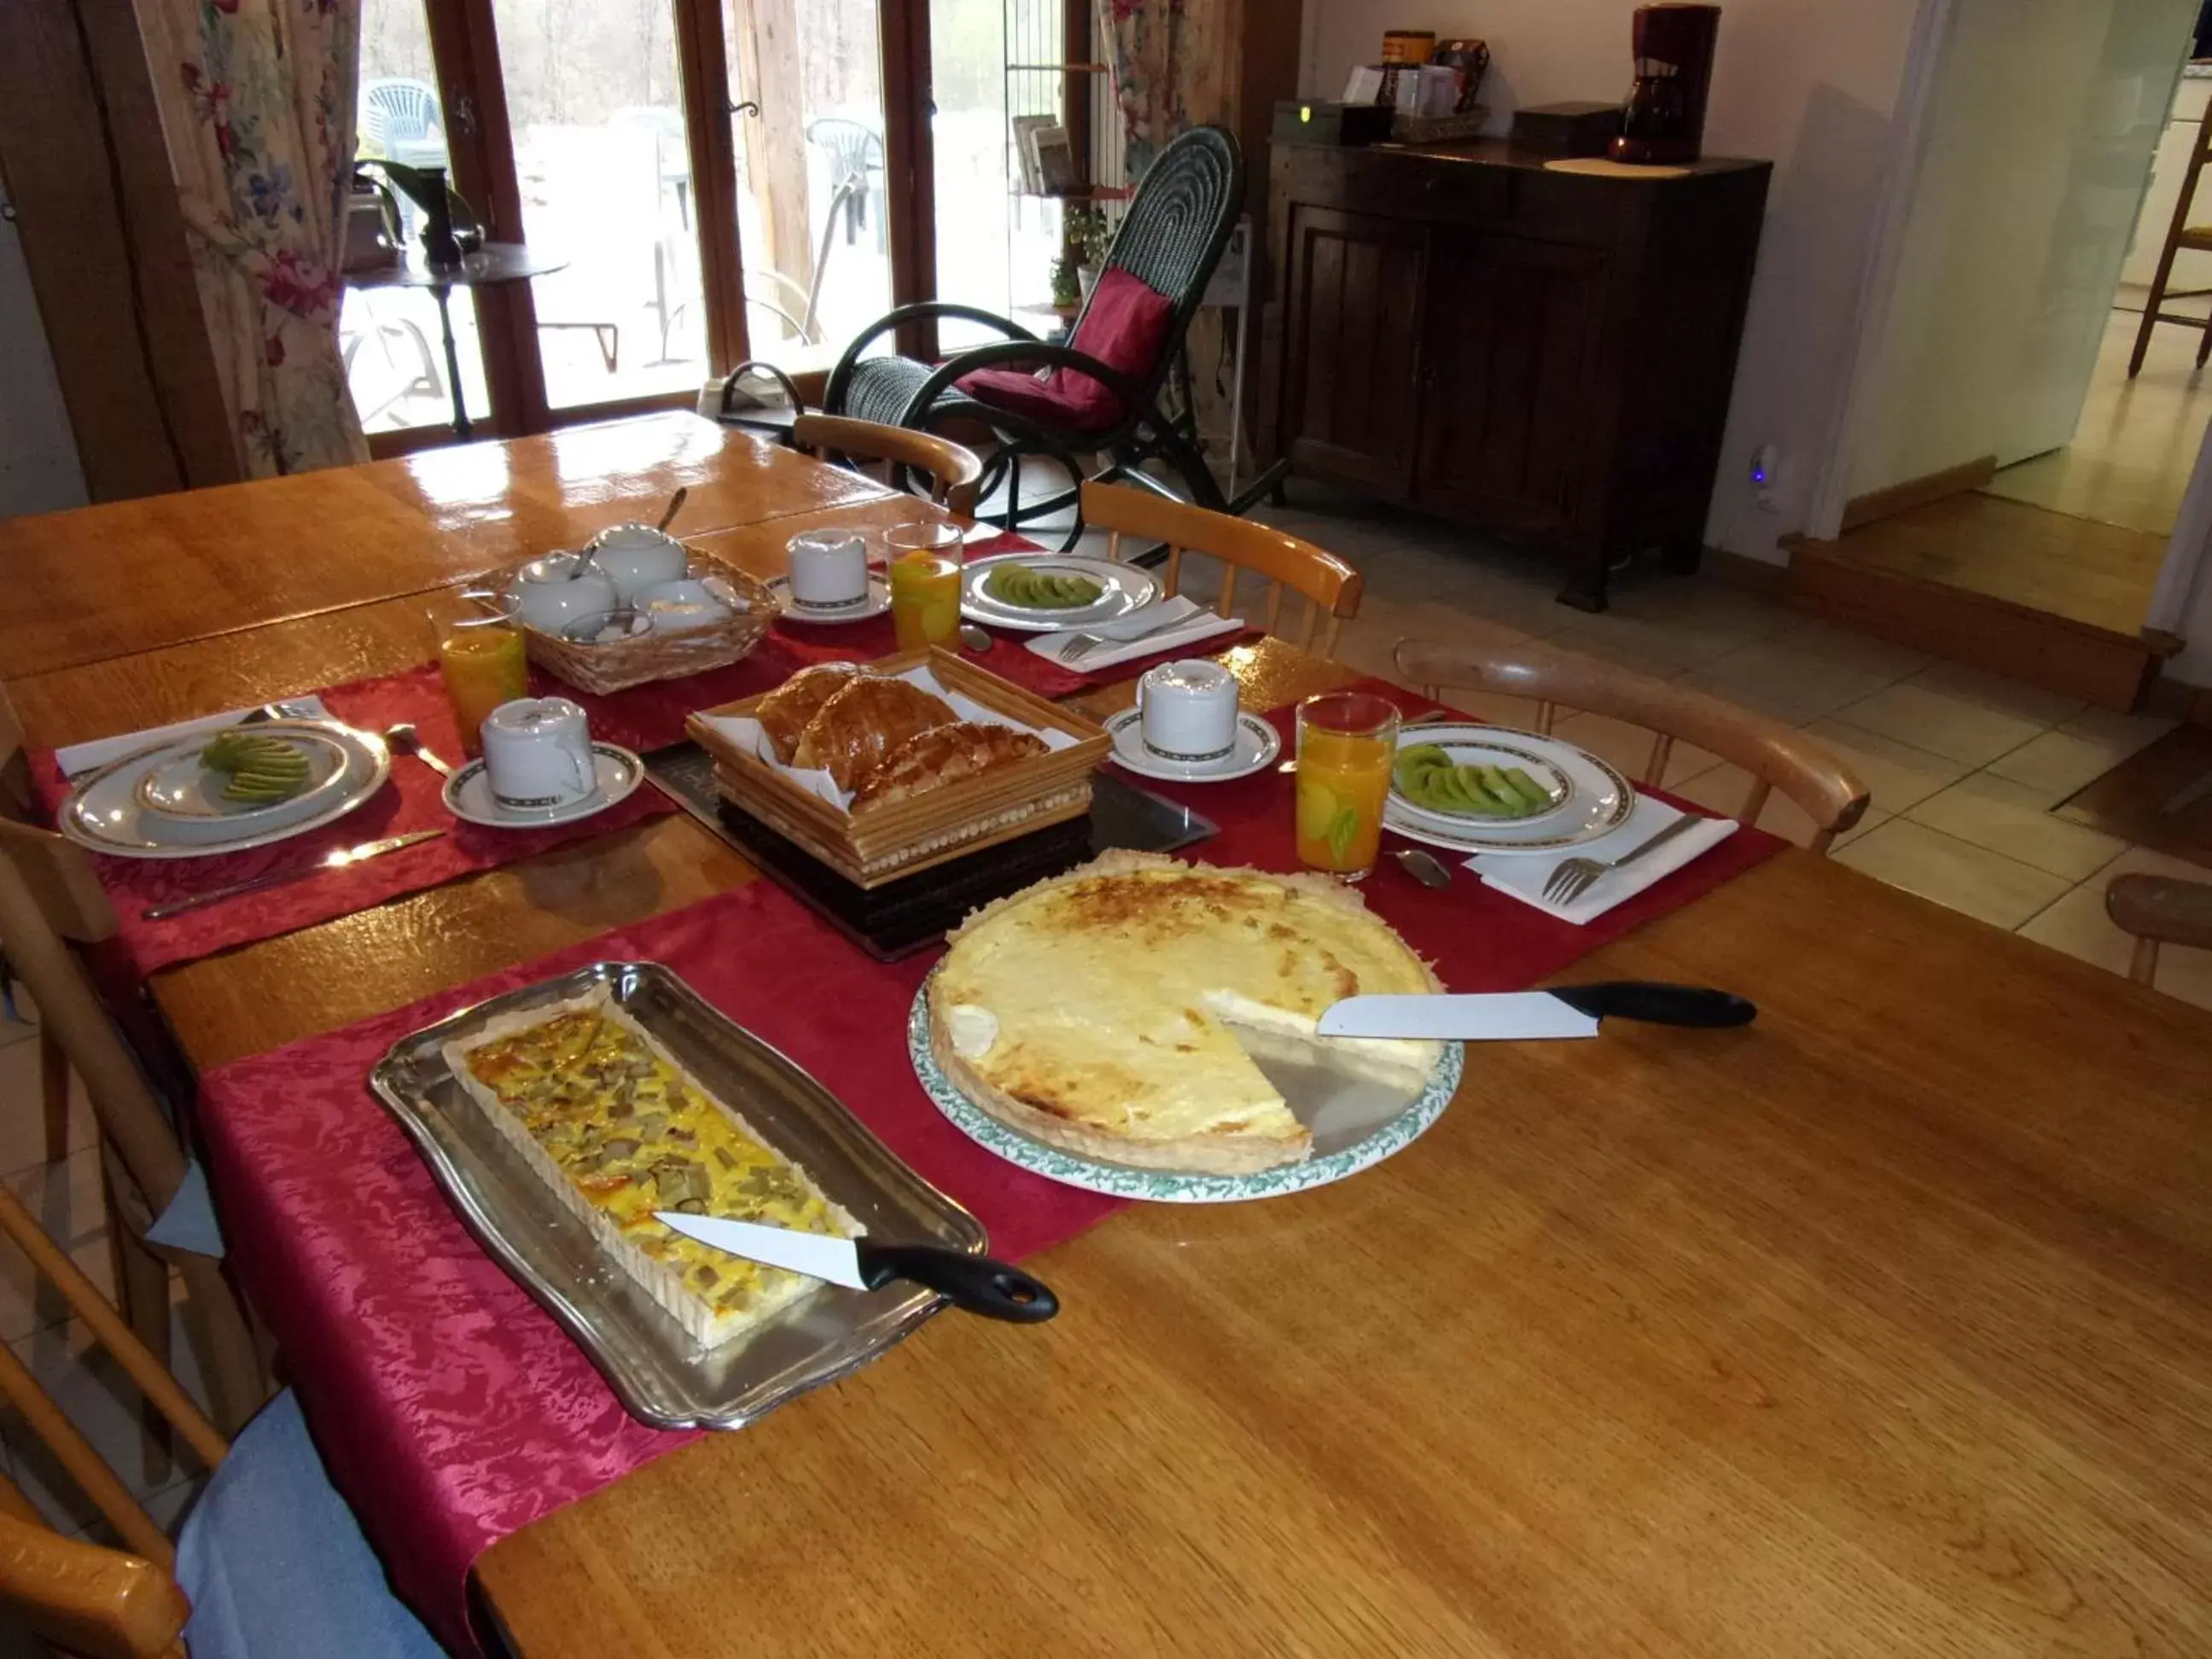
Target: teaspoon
<point>403,741</point>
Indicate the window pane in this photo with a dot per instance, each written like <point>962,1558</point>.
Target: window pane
<point>810,192</point>
<point>993,60</point>
<point>394,361</point>
<point>597,111</point>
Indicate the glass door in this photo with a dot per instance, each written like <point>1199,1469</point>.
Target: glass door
<point>596,107</point>
<point>813,192</point>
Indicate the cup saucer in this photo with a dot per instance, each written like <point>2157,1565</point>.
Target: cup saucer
<point>829,616</point>
<point>468,793</point>
<point>1257,744</point>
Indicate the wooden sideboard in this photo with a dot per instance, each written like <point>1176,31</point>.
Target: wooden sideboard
<point>1546,356</point>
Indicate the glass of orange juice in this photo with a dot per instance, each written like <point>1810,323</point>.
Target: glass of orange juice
<point>1346,741</point>
<point>481,656</point>
<point>925,575</point>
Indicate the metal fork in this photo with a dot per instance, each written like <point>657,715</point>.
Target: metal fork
<point>1572,877</point>
<point>1084,644</point>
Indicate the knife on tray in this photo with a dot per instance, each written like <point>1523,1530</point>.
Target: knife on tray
<point>1566,1010</point>
<point>975,1283</point>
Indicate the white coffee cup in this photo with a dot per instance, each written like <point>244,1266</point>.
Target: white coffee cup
<point>1188,711</point>
<point>551,592</point>
<point>636,557</point>
<point>538,754</point>
<point>829,567</point>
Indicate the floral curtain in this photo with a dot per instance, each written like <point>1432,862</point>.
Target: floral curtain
<point>257,107</point>
<point>1171,69</point>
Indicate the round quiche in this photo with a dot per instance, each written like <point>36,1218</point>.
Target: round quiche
<point>1114,1011</point>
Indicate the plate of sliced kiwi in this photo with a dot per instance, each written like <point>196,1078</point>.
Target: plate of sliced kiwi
<point>1478,789</point>
<point>1040,593</point>
<point>246,773</point>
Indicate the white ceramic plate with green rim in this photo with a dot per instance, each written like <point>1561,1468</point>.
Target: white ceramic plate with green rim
<point>1341,1148</point>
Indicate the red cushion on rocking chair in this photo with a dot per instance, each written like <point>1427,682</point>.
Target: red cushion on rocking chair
<point>1124,327</point>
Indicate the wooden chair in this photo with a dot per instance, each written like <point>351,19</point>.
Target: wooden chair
<point>127,1603</point>
<point>2179,234</point>
<point>48,899</point>
<point>2159,910</point>
<point>1331,587</point>
<point>1777,756</point>
<point>954,472</point>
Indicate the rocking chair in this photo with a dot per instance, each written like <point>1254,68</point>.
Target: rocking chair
<point>1097,395</point>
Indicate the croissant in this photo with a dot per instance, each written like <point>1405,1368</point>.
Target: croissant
<point>943,755</point>
<point>865,721</point>
<point>783,713</point>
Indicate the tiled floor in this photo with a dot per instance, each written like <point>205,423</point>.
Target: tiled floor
<point>1963,767</point>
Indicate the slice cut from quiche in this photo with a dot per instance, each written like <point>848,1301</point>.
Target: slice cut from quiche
<point>616,1129</point>
<point>1110,1011</point>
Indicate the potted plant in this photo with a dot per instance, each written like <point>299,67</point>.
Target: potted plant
<point>1086,236</point>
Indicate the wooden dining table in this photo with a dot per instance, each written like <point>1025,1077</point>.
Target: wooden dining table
<point>1881,1327</point>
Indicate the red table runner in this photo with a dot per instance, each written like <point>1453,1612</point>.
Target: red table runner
<point>1009,656</point>
<point>410,801</point>
<point>450,1408</point>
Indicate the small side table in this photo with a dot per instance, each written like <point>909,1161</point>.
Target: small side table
<point>488,266</point>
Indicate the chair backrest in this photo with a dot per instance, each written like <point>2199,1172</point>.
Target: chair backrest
<point>954,472</point>
<point>399,112</point>
<point>1176,226</point>
<point>855,150</point>
<point>1776,756</point>
<point>2159,910</point>
<point>1331,586</point>
<point>103,1603</point>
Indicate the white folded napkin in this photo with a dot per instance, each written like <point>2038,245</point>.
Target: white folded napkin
<point>1203,624</point>
<point>1523,875</point>
<point>82,757</point>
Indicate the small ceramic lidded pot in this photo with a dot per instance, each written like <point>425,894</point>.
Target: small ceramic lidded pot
<point>538,754</point>
<point>1188,710</point>
<point>551,592</point>
<point>828,568</point>
<point>636,557</point>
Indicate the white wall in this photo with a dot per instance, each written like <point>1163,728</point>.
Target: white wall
<point>38,470</point>
<point>1807,84</point>
<point>2042,117</point>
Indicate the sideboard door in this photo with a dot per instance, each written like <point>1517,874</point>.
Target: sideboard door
<point>1354,284</point>
<point>1508,416</point>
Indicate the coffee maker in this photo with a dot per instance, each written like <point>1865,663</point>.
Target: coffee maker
<point>1664,118</point>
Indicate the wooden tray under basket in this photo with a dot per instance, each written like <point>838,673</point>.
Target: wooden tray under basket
<point>900,837</point>
<point>621,664</point>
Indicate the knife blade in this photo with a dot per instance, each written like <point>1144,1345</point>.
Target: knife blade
<point>339,859</point>
<point>1569,1010</point>
<point>975,1283</point>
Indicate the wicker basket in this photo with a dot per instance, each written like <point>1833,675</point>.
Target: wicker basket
<point>621,664</point>
<point>900,837</point>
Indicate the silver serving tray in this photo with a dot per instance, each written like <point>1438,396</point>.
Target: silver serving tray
<point>658,1369</point>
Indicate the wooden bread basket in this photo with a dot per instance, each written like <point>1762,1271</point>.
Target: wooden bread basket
<point>621,664</point>
<point>896,838</point>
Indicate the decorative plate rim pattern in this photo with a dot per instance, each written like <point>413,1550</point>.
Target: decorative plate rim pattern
<point>1164,1186</point>
<point>1270,745</point>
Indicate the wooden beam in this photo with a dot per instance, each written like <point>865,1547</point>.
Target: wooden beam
<point>88,170</point>
<point>775,139</point>
<point>702,56</point>
<point>910,168</point>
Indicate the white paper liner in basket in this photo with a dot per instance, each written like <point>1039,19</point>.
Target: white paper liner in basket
<point>745,732</point>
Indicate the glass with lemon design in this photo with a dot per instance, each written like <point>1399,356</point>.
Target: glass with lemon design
<point>1346,741</point>
<point>925,576</point>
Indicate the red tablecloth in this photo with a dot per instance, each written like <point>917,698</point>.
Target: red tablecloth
<point>451,1409</point>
